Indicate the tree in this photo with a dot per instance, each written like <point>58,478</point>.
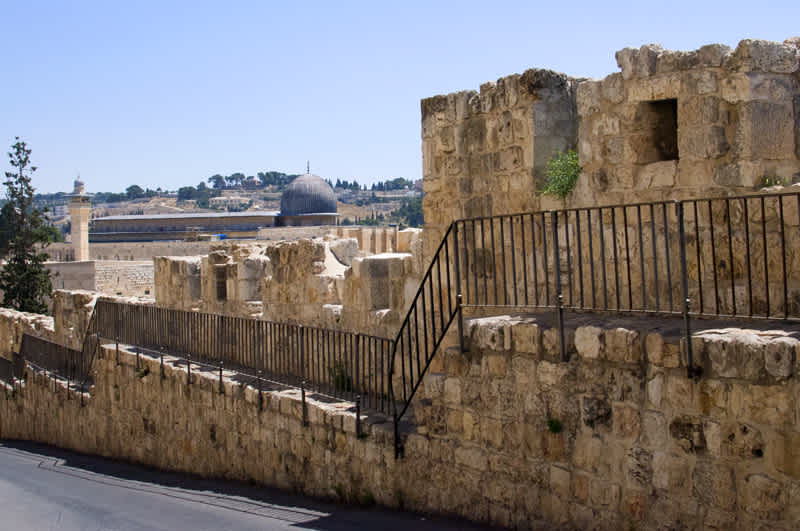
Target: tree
<point>134,191</point>
<point>24,279</point>
<point>217,181</point>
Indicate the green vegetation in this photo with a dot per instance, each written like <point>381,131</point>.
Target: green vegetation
<point>24,279</point>
<point>768,180</point>
<point>394,184</point>
<point>554,425</point>
<point>200,195</point>
<point>561,173</point>
<point>410,213</point>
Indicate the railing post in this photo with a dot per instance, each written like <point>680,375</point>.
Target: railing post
<point>188,369</point>
<point>259,375</point>
<point>559,294</point>
<point>358,416</point>
<point>459,299</point>
<point>691,371</point>
<point>304,406</point>
<point>221,386</point>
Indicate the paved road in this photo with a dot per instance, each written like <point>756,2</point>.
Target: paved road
<point>45,488</point>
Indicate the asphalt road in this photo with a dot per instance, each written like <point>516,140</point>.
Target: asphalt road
<point>45,488</point>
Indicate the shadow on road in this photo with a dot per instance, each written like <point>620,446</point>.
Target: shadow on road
<point>299,510</point>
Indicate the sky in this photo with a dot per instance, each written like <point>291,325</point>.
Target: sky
<point>166,94</point>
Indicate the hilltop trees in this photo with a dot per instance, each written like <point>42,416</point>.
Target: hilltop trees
<point>24,279</point>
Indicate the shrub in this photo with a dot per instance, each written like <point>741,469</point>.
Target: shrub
<point>561,173</point>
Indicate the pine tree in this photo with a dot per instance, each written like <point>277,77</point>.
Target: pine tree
<point>24,280</point>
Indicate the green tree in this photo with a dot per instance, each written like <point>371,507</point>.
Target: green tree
<point>134,191</point>
<point>24,279</point>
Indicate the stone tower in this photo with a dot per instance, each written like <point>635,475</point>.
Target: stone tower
<point>79,211</point>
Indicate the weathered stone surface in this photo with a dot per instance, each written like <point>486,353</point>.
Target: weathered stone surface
<point>596,411</point>
<point>345,249</point>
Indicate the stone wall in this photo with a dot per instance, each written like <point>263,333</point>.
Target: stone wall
<point>712,121</point>
<point>123,278</point>
<point>177,282</point>
<point>617,438</point>
<point>672,125</point>
<point>231,277</point>
<point>484,153</point>
<point>63,252</point>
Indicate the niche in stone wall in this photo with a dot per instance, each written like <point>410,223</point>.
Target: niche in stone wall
<point>222,283</point>
<point>656,123</point>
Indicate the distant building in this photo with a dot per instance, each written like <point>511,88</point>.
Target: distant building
<point>307,201</point>
<point>235,201</point>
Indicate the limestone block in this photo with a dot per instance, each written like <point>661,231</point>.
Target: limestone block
<point>638,63</point>
<point>655,388</point>
<point>657,175</point>
<point>623,345</point>
<point>613,88</point>
<point>761,496</point>
<point>474,458</point>
<point>588,97</point>
<point>765,56</point>
<point>714,485</point>
<point>596,411</point>
<point>766,131</point>
<point>526,338</point>
<point>672,472</point>
<point>770,404</point>
<point>344,249</point>
<point>708,142</point>
<point>702,82</point>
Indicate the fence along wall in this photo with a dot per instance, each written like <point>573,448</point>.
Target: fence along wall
<point>617,437</point>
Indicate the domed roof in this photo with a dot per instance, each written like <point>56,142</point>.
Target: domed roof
<point>308,194</point>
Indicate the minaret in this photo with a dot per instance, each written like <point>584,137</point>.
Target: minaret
<point>79,211</point>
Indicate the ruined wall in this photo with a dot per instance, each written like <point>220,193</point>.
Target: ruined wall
<point>670,125</point>
<point>484,153</point>
<point>177,282</point>
<point>618,438</point>
<point>712,121</point>
<point>230,279</point>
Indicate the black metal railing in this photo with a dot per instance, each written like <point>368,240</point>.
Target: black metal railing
<point>339,364</point>
<point>714,257</point>
<point>71,365</point>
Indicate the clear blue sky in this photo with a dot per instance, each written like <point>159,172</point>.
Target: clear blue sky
<point>168,93</point>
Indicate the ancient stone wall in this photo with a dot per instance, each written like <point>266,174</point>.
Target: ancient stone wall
<point>230,279</point>
<point>177,282</point>
<point>616,438</point>
<point>712,121</point>
<point>484,153</point>
<point>123,278</point>
<point>670,125</point>
<point>63,252</point>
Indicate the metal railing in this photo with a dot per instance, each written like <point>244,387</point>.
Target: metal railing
<point>716,257</point>
<point>60,361</point>
<point>345,365</point>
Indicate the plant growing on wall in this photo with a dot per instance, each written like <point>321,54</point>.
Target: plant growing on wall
<point>561,173</point>
<point>24,279</point>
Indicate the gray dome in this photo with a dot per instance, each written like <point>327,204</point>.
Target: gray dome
<point>308,194</point>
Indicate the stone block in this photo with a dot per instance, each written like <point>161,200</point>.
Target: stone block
<point>603,494</point>
<point>452,391</point>
<point>627,421</point>
<point>639,467</point>
<point>589,342</point>
<point>765,56</point>
<point>764,404</point>
<point>787,454</point>
<point>714,485</point>
<point>661,353</point>
<point>672,472</point>
<point>623,345</point>
<point>655,386</point>
<point>496,365</point>
<point>688,433</point>
<point>596,411</point>
<point>560,480</point>
<point>761,496</point>
<point>474,458</point>
<point>657,175</point>
<point>766,130</point>
<point>526,338</point>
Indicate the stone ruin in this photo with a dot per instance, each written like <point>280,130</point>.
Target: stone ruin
<point>670,124</point>
<point>328,282</point>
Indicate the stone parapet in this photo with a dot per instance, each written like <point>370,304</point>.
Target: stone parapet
<point>505,433</point>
